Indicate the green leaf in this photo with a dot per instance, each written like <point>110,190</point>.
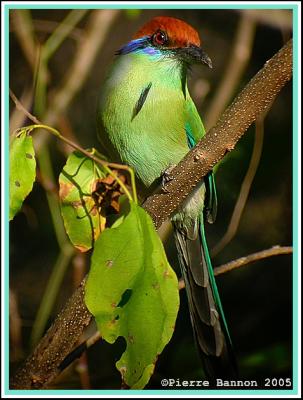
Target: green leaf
<point>22,170</point>
<point>133,292</point>
<point>79,207</point>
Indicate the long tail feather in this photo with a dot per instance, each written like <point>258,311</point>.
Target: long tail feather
<point>207,317</point>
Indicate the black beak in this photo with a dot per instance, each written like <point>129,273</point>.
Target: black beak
<point>194,55</point>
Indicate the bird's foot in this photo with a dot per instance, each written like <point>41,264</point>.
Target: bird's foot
<point>167,176</point>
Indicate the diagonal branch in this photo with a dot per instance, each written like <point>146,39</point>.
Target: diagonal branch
<point>222,138</point>
<point>42,366</point>
<point>238,263</point>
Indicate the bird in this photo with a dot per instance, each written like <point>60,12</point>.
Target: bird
<point>147,119</point>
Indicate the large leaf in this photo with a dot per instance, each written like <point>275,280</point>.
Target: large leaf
<point>80,208</point>
<point>22,170</point>
<point>133,292</point>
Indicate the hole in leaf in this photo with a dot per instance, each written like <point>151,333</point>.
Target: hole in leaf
<point>125,297</point>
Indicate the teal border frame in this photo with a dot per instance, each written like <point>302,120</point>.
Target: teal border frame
<point>295,7</point>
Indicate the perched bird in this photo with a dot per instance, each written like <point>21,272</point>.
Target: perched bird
<point>147,119</point>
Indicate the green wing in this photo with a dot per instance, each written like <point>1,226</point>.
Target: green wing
<point>195,131</point>
<point>194,126</point>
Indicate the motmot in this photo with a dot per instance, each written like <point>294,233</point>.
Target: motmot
<point>147,119</point>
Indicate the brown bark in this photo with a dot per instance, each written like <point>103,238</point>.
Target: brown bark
<point>254,99</point>
<point>42,366</point>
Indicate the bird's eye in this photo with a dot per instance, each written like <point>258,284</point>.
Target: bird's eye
<point>159,38</point>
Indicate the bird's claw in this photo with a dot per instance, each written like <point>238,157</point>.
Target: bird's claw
<point>167,176</point>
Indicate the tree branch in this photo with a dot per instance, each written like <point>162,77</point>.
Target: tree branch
<point>260,255</point>
<point>240,262</point>
<point>222,138</point>
<point>245,188</point>
<point>42,366</point>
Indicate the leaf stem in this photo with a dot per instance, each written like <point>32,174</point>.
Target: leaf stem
<point>104,163</point>
<point>107,165</point>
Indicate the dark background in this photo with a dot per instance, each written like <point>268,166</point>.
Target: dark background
<point>257,298</point>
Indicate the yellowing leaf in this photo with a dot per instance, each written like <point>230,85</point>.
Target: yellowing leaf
<point>80,209</point>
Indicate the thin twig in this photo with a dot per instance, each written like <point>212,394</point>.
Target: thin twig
<point>99,24</point>
<point>20,107</point>
<point>47,50</point>
<point>87,50</point>
<point>64,126</point>
<point>278,19</point>
<point>79,350</point>
<point>241,262</point>
<point>67,250</point>
<point>61,32</point>
<point>15,327</point>
<point>108,166</point>
<point>250,103</point>
<point>23,27</point>
<point>82,369</point>
<point>17,117</point>
<point>245,188</point>
<point>47,26</point>
<point>238,59</point>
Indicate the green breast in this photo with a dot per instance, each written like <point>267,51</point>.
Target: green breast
<point>155,137</point>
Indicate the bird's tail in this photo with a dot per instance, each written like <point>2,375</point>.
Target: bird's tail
<point>207,317</point>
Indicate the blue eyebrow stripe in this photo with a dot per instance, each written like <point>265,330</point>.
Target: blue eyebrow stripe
<point>134,45</point>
